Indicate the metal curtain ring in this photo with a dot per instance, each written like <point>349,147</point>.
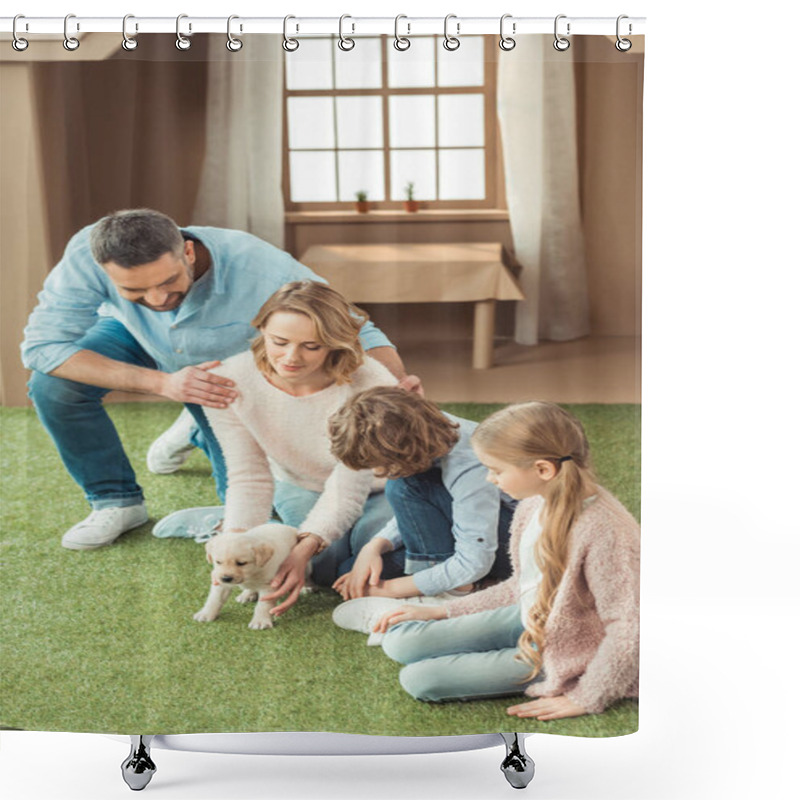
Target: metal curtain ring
<point>70,42</point>
<point>345,42</point>
<point>507,42</point>
<point>623,45</point>
<point>289,44</point>
<point>560,43</point>
<point>401,43</point>
<point>233,44</point>
<point>181,42</point>
<point>450,43</point>
<point>17,42</point>
<point>128,42</point>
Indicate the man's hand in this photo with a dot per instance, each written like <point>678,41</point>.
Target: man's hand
<point>198,385</point>
<point>291,577</point>
<point>366,572</point>
<point>412,383</point>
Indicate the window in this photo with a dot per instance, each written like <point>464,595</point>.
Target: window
<point>375,120</point>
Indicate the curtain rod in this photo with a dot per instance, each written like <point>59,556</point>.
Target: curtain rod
<point>310,26</point>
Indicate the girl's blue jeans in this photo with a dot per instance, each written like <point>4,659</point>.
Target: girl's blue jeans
<point>464,658</point>
<point>86,438</point>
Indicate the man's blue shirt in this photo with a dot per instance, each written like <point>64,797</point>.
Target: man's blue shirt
<point>212,322</point>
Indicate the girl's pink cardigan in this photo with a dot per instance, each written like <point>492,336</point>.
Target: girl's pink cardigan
<point>591,650</point>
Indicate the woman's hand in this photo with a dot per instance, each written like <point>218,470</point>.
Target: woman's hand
<point>366,573</point>
<point>405,613</point>
<point>291,576</point>
<point>546,708</point>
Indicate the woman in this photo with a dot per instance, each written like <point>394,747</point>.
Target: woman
<point>305,363</point>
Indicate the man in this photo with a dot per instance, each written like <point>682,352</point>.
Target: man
<point>138,304</point>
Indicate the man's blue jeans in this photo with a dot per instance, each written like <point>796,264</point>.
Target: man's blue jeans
<point>87,441</point>
<point>423,509</point>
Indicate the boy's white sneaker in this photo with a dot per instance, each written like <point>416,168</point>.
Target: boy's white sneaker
<point>103,526</point>
<point>362,613</point>
<point>169,451</point>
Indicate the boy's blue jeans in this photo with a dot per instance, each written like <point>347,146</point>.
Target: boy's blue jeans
<point>85,437</point>
<point>464,658</point>
<point>423,509</point>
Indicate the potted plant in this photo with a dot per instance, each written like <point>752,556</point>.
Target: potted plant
<point>362,206</point>
<point>410,204</point>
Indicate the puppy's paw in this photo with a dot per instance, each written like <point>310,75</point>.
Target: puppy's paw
<point>247,596</point>
<point>260,623</point>
<point>204,616</point>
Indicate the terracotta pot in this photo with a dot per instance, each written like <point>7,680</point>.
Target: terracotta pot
<point>362,206</point>
<point>411,205</point>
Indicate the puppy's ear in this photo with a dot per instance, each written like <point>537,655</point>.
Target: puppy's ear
<point>263,553</point>
<point>209,551</point>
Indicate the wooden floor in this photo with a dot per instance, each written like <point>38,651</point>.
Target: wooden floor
<point>589,370</point>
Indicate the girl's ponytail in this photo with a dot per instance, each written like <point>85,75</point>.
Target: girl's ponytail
<point>521,435</point>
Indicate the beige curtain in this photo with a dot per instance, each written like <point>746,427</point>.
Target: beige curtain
<point>240,185</point>
<point>537,113</point>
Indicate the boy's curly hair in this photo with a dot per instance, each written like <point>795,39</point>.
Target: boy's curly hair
<point>392,431</point>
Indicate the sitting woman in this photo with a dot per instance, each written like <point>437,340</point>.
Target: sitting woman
<point>305,363</point>
<point>450,526</point>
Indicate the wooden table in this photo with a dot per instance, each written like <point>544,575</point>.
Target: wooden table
<point>423,273</point>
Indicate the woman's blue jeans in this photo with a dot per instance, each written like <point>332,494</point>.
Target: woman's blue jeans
<point>423,509</point>
<point>293,503</point>
<point>464,658</point>
<point>86,438</point>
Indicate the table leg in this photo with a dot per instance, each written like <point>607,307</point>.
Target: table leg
<point>483,334</point>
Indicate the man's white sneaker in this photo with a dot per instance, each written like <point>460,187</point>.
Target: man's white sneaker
<point>168,453</point>
<point>362,613</point>
<point>103,526</point>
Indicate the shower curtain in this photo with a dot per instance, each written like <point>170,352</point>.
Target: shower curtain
<point>481,205</point>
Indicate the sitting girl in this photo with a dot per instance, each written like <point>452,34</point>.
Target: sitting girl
<point>447,519</point>
<point>306,361</point>
<point>565,627</point>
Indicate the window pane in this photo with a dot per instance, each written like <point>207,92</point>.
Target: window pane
<point>412,121</point>
<point>461,175</point>
<point>413,67</point>
<point>461,120</point>
<point>418,166</point>
<point>310,122</point>
<point>310,66</point>
<point>359,68</point>
<point>359,121</point>
<point>462,67</point>
<point>312,177</point>
<point>361,171</point>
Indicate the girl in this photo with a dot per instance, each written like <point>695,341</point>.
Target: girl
<point>306,361</point>
<point>565,627</point>
<point>447,520</point>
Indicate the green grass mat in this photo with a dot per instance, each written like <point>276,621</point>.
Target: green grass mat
<point>104,641</point>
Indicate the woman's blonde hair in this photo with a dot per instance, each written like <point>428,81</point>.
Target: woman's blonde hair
<point>337,324</point>
<point>391,430</point>
<point>521,435</point>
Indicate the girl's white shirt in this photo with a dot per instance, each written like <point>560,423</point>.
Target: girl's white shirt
<point>530,576</point>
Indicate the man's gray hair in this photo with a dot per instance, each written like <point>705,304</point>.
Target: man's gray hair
<point>134,237</point>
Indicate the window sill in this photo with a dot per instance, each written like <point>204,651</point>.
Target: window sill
<point>423,215</point>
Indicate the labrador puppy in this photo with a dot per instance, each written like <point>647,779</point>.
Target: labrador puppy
<point>250,561</point>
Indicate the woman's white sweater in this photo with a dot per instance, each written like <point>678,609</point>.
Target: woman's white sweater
<point>267,434</point>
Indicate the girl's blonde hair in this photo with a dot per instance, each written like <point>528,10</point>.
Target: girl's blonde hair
<point>521,435</point>
<point>337,324</point>
<point>394,431</point>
